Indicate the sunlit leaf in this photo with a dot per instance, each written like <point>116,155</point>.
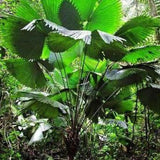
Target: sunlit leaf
<point>84,9</point>
<point>106,17</point>
<point>143,54</point>
<point>51,9</point>
<point>27,11</point>
<point>137,29</point>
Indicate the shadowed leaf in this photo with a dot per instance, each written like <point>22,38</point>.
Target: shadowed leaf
<point>149,97</point>
<point>69,15</point>
<point>21,42</point>
<point>28,73</point>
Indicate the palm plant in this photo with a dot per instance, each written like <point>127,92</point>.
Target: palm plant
<point>82,59</point>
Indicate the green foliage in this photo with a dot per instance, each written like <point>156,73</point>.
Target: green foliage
<point>32,77</point>
<point>52,13</point>
<point>54,40</point>
<point>126,76</point>
<point>81,73</point>
<point>71,20</point>
<point>149,97</point>
<point>8,6</point>
<point>30,46</point>
<point>27,12</point>
<point>144,54</point>
<point>45,106</point>
<point>137,29</point>
<point>101,19</point>
<point>84,10</point>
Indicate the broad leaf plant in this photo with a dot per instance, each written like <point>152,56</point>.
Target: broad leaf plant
<point>79,58</point>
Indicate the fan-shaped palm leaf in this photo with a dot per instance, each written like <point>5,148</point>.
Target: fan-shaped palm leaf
<point>71,20</point>
<point>149,97</point>
<point>28,73</point>
<point>106,17</point>
<point>23,43</point>
<point>137,29</point>
<point>85,9</point>
<point>51,9</point>
<point>143,54</point>
<point>62,39</point>
<point>124,77</point>
<point>27,11</point>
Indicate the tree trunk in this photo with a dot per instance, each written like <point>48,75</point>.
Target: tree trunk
<point>153,10</point>
<point>71,158</point>
<point>154,13</point>
<point>72,143</point>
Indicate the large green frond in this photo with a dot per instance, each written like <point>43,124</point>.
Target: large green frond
<point>27,11</point>
<point>124,77</point>
<point>85,8</point>
<point>122,102</point>
<point>21,42</point>
<point>62,34</point>
<point>42,109</point>
<point>106,17</point>
<point>27,73</point>
<point>144,54</point>
<point>61,39</point>
<point>137,29</point>
<point>152,70</point>
<point>59,43</point>
<point>45,99</point>
<point>51,8</point>
<point>149,97</point>
<point>106,45</point>
<point>69,16</point>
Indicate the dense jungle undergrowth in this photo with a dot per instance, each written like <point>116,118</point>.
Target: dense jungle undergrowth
<point>79,79</point>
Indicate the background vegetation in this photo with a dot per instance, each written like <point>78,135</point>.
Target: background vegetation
<point>119,135</point>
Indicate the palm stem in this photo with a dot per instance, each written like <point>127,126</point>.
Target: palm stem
<point>79,89</point>
<point>83,107</point>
